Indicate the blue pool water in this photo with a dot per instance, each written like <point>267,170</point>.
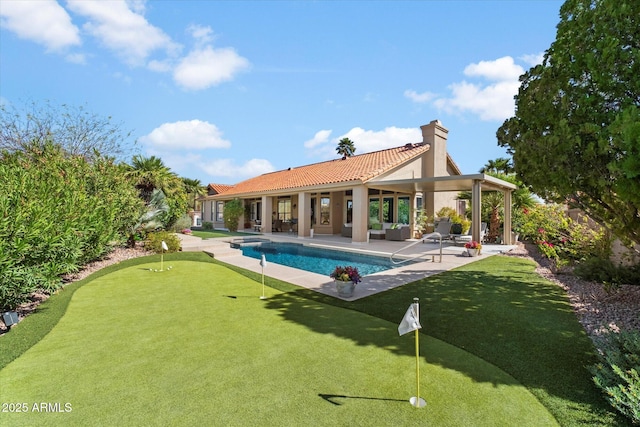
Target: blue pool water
<point>316,260</point>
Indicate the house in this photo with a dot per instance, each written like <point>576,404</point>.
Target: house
<point>381,187</point>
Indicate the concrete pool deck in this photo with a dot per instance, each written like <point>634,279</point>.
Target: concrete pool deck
<point>452,257</point>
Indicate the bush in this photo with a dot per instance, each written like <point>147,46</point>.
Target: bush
<point>154,242</point>
<point>184,222</point>
<point>207,225</point>
<point>617,373</point>
<point>605,271</point>
<point>57,213</point>
<point>232,211</point>
<point>558,237</point>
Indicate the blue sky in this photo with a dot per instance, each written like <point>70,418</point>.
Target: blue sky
<point>226,90</point>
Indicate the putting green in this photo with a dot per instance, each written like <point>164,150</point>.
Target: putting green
<point>195,345</point>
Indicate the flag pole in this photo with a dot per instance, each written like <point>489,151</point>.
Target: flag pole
<point>417,401</point>
<point>263,263</point>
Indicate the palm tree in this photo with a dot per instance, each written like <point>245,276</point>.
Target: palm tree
<point>150,173</point>
<point>346,148</point>
<point>194,189</point>
<point>499,165</point>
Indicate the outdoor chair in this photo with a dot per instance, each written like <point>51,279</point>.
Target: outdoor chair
<point>277,225</point>
<point>443,227</point>
<point>467,237</point>
<point>398,234</point>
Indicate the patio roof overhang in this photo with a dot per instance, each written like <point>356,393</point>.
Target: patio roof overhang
<point>445,183</point>
<point>476,183</point>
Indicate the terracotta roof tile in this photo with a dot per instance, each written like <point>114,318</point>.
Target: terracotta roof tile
<point>362,167</point>
<point>217,188</point>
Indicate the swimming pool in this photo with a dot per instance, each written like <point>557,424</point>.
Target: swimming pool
<point>317,260</point>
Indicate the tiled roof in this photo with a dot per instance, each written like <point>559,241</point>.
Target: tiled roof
<point>362,167</point>
<point>217,188</point>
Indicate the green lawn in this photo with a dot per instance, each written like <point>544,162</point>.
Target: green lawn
<point>210,234</point>
<point>196,346</point>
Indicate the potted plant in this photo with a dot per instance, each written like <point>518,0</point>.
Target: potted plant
<point>473,248</point>
<point>346,279</point>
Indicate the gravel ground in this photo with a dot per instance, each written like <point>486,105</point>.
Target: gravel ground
<point>596,310</point>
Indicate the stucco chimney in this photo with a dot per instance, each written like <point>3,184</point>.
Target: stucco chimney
<point>435,160</point>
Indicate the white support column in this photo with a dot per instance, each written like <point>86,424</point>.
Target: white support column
<point>476,210</point>
<point>360,214</point>
<point>506,229</point>
<point>304,215</point>
<point>267,206</point>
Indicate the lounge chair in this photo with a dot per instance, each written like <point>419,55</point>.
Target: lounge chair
<point>443,228</point>
<point>468,237</point>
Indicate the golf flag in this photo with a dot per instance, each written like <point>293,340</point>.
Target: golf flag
<point>410,321</point>
<point>164,246</point>
<point>263,262</point>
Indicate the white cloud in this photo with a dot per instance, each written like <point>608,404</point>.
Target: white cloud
<point>420,98</point>
<point>201,34</point>
<point>206,67</point>
<point>44,22</point>
<point>76,58</point>
<point>499,70</point>
<point>491,101</point>
<point>185,135</point>
<point>319,138</point>
<point>533,59</point>
<point>365,141</point>
<point>123,30</point>
<point>229,169</point>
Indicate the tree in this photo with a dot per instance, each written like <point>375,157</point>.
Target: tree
<point>149,174</point>
<point>194,189</point>
<point>74,129</point>
<point>233,209</point>
<point>346,148</point>
<point>575,137</point>
<point>499,165</point>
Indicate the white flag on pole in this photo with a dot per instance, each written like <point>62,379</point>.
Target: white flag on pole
<point>164,246</point>
<point>410,321</point>
<point>263,261</point>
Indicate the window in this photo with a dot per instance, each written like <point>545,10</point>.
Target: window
<point>284,209</point>
<point>374,210</point>
<point>256,211</point>
<point>349,211</point>
<point>313,210</point>
<point>220,211</point>
<point>213,211</point>
<point>325,210</point>
<point>403,210</point>
<point>387,209</point>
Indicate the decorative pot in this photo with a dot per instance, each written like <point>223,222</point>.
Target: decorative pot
<point>345,289</point>
<point>473,252</point>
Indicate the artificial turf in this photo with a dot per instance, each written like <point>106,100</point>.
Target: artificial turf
<point>499,309</point>
<point>196,346</point>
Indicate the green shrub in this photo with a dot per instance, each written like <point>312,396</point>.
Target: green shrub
<point>182,223</point>
<point>558,237</point>
<point>233,209</point>
<point>57,213</point>
<point>154,241</point>
<point>207,225</point>
<point>617,372</point>
<point>605,271</point>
